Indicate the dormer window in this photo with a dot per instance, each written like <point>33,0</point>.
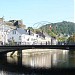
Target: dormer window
<point>14,32</point>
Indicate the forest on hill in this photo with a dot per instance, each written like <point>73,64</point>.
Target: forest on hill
<point>65,28</point>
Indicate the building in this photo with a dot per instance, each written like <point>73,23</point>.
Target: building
<point>54,41</point>
<point>43,38</point>
<point>5,28</point>
<point>1,38</point>
<point>14,32</point>
<point>18,23</point>
<point>20,36</point>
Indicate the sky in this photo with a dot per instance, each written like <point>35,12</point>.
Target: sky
<point>34,11</point>
<point>74,11</point>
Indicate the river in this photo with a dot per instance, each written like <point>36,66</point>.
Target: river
<point>37,63</point>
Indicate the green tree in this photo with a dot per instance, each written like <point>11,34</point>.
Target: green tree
<point>31,28</point>
<point>71,39</point>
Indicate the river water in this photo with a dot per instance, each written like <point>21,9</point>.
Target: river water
<point>37,63</point>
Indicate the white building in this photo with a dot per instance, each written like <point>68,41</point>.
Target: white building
<point>4,30</point>
<point>54,41</point>
<point>21,37</point>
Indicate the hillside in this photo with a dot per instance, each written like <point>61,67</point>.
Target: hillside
<point>66,28</point>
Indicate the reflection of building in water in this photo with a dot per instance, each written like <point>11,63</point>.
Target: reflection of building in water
<point>57,58</point>
<point>65,54</point>
<point>71,58</point>
<point>54,58</point>
<point>60,59</point>
<point>38,60</point>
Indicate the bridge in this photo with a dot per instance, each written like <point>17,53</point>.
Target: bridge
<point>6,49</point>
<point>19,66</point>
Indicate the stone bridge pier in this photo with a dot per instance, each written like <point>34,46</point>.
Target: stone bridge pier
<point>19,53</point>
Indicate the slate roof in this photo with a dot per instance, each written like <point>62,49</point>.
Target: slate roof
<point>46,35</point>
<point>40,34</point>
<point>21,31</point>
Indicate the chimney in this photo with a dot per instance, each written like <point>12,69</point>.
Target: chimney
<point>29,31</point>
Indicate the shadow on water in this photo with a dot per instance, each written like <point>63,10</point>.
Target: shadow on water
<point>19,68</point>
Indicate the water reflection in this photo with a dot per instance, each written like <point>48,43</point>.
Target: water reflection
<point>43,60</point>
<point>12,59</point>
<point>46,60</point>
<point>55,58</point>
<point>58,60</point>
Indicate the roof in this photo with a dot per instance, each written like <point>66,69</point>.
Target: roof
<point>21,31</point>
<point>46,35</point>
<point>40,34</point>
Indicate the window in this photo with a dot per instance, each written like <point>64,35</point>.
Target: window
<point>14,32</point>
<point>12,38</point>
<point>36,35</point>
<point>19,37</point>
<point>28,39</point>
